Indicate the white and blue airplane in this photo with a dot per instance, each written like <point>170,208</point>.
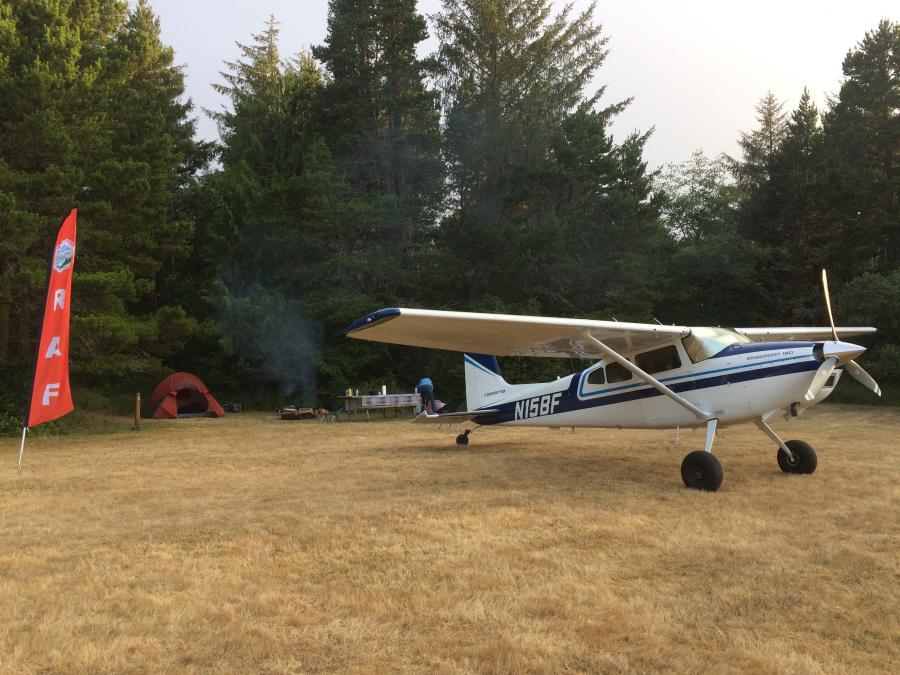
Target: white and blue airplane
<point>647,376</point>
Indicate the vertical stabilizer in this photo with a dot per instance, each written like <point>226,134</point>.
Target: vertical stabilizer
<point>484,383</point>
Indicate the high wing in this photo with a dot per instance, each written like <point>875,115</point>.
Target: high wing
<point>798,333</point>
<point>507,334</point>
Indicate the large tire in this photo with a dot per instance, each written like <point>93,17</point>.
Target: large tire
<point>805,460</point>
<point>700,470</point>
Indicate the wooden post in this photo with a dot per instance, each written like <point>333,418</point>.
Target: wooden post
<point>137,412</point>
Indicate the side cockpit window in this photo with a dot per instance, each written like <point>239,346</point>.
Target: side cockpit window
<point>659,360</point>
<point>617,373</point>
<point>596,376</point>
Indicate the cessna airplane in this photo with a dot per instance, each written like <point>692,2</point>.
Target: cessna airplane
<point>647,376</point>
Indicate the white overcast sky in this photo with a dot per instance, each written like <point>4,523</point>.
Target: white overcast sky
<point>696,68</point>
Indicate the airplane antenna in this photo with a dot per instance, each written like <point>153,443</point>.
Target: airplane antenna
<point>658,321</point>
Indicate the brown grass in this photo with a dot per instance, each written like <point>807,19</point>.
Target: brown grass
<point>250,544</point>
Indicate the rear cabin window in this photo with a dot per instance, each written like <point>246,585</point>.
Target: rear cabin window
<point>659,360</point>
<point>617,373</point>
<point>596,376</point>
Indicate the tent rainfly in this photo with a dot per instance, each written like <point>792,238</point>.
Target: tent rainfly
<point>182,395</point>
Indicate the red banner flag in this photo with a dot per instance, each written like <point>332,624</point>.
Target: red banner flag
<point>50,394</point>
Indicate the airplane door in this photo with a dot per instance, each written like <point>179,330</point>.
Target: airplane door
<point>702,383</point>
<point>666,364</point>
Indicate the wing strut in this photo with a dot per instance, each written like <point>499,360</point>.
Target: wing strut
<point>649,379</point>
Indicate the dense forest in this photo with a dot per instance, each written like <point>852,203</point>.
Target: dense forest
<point>360,175</point>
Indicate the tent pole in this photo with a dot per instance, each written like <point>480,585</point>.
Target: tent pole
<point>22,450</point>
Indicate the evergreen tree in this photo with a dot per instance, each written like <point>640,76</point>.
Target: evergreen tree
<point>759,146</point>
<point>382,123</point>
<point>605,203</point>
<point>51,54</point>
<point>511,74</point>
<point>861,192</point>
<point>539,188</point>
<point>793,225</point>
<point>293,265</point>
<point>862,141</point>
<point>91,116</point>
<point>134,240</point>
<point>784,216</point>
<point>779,183</point>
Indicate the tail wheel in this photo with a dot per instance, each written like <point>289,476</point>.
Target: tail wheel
<point>804,458</point>
<point>701,470</point>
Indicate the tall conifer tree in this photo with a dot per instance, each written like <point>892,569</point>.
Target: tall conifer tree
<point>382,123</point>
<point>540,189</point>
<point>759,146</point>
<point>862,139</point>
<point>292,271</point>
<point>92,116</point>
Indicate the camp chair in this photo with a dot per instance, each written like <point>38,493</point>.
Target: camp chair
<point>335,415</point>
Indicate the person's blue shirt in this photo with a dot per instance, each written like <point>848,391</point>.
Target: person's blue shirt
<point>425,387</point>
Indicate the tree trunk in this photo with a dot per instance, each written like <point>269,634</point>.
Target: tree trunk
<point>4,328</point>
<point>25,345</point>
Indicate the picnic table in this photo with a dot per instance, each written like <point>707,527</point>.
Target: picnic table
<point>353,405</point>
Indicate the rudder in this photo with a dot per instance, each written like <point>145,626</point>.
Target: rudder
<point>484,383</point>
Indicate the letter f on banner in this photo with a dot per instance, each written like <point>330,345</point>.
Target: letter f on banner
<point>50,394</point>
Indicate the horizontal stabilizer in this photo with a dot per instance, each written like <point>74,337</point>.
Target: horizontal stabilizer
<point>451,418</point>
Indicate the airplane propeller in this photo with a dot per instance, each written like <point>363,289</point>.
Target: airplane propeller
<point>856,371</point>
<point>821,377</point>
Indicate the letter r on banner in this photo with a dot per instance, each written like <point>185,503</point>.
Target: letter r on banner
<point>59,299</point>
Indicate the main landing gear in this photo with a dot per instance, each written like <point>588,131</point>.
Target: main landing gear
<point>463,438</point>
<point>793,456</point>
<point>701,470</point>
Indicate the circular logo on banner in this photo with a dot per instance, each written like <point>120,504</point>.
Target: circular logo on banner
<point>64,255</point>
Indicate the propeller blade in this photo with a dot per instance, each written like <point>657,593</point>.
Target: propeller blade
<point>828,304</point>
<point>860,375</point>
<point>821,377</point>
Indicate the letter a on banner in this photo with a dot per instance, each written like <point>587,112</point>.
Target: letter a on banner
<point>50,395</point>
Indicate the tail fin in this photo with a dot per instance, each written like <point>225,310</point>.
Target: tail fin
<point>484,383</point>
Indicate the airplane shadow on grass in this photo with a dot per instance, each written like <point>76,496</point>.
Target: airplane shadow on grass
<point>510,464</point>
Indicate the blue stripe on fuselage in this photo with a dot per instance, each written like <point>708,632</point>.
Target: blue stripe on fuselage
<point>570,400</point>
<point>581,376</point>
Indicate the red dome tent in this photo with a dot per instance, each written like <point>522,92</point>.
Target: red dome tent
<point>182,395</point>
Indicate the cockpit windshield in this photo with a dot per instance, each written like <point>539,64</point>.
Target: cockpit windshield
<point>706,341</point>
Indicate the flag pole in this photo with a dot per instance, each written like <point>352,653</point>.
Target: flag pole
<point>27,417</point>
<point>22,450</point>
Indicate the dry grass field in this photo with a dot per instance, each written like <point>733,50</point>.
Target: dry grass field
<point>248,544</point>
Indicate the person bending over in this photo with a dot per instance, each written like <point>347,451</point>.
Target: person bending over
<point>425,388</point>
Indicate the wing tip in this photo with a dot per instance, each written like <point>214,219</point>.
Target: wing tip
<point>369,320</point>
